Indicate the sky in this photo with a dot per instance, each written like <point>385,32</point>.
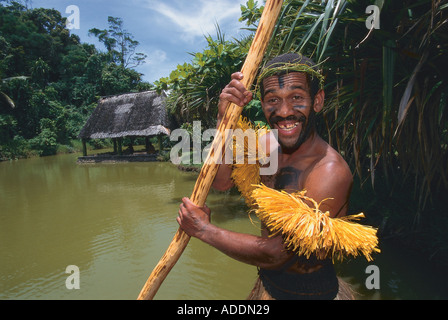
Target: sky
<point>168,30</point>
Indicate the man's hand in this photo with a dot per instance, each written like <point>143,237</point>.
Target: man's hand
<point>235,92</point>
<point>193,219</point>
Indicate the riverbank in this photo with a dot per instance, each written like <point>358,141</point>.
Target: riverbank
<point>99,151</point>
<point>189,168</point>
<point>22,149</point>
<point>114,158</point>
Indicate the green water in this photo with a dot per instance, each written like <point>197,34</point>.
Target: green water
<point>115,221</point>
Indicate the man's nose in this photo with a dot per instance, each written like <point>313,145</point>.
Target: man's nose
<point>285,109</point>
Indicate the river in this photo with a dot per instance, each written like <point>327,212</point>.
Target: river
<point>115,221</point>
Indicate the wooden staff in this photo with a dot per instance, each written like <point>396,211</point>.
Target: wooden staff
<point>210,167</point>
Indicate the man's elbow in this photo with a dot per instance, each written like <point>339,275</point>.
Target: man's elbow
<point>276,255</point>
<point>222,185</point>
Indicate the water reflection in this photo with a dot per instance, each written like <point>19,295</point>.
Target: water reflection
<point>115,221</point>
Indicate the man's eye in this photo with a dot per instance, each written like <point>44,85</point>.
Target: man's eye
<point>273,100</point>
<point>298,98</point>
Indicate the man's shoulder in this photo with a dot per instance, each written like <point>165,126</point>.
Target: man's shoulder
<point>332,165</point>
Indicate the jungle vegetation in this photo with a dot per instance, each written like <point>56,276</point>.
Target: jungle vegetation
<point>51,82</point>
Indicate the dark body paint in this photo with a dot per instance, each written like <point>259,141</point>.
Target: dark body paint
<point>286,178</point>
<point>299,108</point>
<point>281,81</point>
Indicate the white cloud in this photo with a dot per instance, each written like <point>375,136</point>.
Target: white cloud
<point>157,56</point>
<point>168,30</point>
<point>196,18</point>
<point>156,66</point>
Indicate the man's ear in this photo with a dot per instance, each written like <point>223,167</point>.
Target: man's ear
<point>319,99</point>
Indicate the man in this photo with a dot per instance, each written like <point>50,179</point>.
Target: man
<point>290,98</point>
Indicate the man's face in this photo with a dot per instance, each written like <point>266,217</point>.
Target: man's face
<point>288,108</point>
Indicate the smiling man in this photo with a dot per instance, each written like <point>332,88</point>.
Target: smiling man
<point>291,94</point>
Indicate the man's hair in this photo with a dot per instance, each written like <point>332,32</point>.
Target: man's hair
<point>292,62</point>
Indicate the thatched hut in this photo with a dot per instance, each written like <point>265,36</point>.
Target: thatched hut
<point>132,115</point>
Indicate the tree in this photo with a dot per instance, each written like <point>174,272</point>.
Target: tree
<point>39,73</point>
<point>51,82</point>
<point>120,44</point>
<point>195,87</point>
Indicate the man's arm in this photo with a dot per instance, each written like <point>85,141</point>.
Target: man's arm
<point>263,252</point>
<point>236,93</point>
<point>223,180</point>
<point>336,188</point>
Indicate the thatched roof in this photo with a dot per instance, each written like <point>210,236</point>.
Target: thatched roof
<point>134,114</point>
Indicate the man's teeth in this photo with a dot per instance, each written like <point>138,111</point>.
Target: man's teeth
<point>288,126</point>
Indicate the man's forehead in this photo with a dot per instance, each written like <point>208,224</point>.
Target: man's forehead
<point>294,79</point>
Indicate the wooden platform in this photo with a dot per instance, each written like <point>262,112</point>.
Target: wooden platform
<point>112,158</point>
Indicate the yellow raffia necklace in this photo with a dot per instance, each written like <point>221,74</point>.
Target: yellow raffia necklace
<point>306,230</point>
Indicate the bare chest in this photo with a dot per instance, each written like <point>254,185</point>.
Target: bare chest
<point>288,178</point>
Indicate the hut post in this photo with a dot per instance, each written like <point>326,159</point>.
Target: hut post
<point>147,144</point>
<point>120,147</point>
<point>114,140</point>
<point>84,147</point>
<point>131,144</point>
<point>159,141</point>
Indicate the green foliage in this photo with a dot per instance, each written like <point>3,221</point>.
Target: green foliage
<point>254,112</point>
<point>195,87</point>
<point>50,82</point>
<point>251,13</point>
<point>119,43</point>
<point>7,128</point>
<point>40,73</point>
<point>116,78</point>
<point>17,147</point>
<point>45,142</point>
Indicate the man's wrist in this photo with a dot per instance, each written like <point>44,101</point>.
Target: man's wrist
<point>205,232</point>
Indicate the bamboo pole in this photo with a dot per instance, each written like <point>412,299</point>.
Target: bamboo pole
<point>210,167</point>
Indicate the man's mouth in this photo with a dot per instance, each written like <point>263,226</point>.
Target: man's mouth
<point>287,126</point>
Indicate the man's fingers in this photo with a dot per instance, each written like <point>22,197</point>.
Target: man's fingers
<point>235,92</point>
<point>240,97</point>
<point>189,205</point>
<point>239,86</point>
<point>237,76</point>
<point>179,216</point>
<point>227,97</point>
<point>248,97</point>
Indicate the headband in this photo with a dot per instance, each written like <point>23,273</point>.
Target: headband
<point>291,67</point>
